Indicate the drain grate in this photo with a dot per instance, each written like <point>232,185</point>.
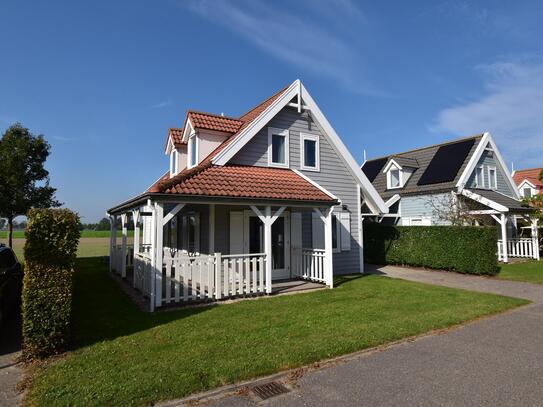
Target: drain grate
<point>268,390</point>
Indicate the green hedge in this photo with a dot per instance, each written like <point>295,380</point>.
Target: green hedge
<point>52,236</point>
<point>465,249</point>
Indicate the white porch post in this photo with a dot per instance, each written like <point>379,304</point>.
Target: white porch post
<point>328,248</point>
<point>504,237</point>
<point>124,220</point>
<point>535,238</point>
<point>211,228</point>
<point>159,252</point>
<point>136,220</point>
<point>152,253</point>
<point>268,249</point>
<point>112,241</point>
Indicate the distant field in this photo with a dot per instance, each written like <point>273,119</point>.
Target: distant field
<point>20,234</point>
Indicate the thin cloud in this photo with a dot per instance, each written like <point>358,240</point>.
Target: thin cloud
<point>62,138</point>
<point>163,104</point>
<point>510,108</point>
<point>313,47</point>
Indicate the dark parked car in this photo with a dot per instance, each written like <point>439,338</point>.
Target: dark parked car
<point>11,283</point>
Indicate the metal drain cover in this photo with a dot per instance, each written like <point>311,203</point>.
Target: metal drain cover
<point>268,390</point>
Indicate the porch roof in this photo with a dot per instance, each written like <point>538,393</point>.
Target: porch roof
<point>495,200</point>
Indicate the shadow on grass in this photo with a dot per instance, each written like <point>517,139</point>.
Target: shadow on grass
<point>102,311</point>
<point>339,280</point>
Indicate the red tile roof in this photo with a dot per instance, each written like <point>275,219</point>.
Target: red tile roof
<point>177,136</point>
<point>531,175</point>
<point>209,121</point>
<point>242,182</point>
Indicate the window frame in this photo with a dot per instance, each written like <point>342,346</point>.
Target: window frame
<point>193,140</point>
<point>278,132</point>
<point>527,188</point>
<point>174,162</point>
<point>490,179</point>
<point>337,217</point>
<point>481,184</point>
<point>389,177</point>
<point>185,231</point>
<point>316,139</point>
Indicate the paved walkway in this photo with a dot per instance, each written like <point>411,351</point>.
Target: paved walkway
<point>496,361</point>
<point>10,370</point>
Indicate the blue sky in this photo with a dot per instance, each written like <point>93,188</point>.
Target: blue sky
<point>103,80</point>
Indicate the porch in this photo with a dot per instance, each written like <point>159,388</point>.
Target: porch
<point>220,251</point>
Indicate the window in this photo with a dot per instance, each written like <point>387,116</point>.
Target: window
<point>310,155</point>
<point>527,192</point>
<point>193,151</point>
<point>479,177</point>
<point>492,180</point>
<point>173,162</point>
<point>393,178</point>
<point>191,232</point>
<point>336,233</point>
<point>278,148</point>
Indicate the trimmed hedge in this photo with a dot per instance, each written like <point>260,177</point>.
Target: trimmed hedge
<point>465,249</point>
<point>52,236</point>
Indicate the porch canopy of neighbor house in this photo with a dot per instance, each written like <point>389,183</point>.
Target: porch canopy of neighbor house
<point>267,192</point>
<point>504,210</point>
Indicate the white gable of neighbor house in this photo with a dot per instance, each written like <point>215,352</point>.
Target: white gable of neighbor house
<point>319,126</point>
<point>527,185</point>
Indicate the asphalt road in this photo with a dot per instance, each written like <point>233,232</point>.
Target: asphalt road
<point>496,361</point>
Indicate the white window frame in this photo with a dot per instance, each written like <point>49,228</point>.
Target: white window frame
<point>185,231</point>
<point>278,132</point>
<point>480,183</point>
<point>337,217</point>
<point>425,221</point>
<point>174,162</point>
<point>389,178</point>
<point>527,188</point>
<point>490,179</point>
<point>193,139</point>
<point>315,138</point>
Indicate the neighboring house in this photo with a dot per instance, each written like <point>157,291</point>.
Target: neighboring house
<point>528,182</point>
<point>270,195</point>
<point>420,186</point>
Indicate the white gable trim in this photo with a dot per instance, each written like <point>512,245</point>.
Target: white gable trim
<point>391,162</point>
<point>525,181</point>
<point>393,200</point>
<point>472,163</point>
<point>491,204</point>
<point>271,111</point>
<point>316,185</point>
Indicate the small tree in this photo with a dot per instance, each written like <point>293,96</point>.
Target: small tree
<point>24,182</point>
<point>454,209</point>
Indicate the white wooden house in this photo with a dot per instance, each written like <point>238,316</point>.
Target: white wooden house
<point>269,196</point>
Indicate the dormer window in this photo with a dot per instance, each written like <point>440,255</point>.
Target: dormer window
<point>394,177</point>
<point>193,151</point>
<point>174,162</point>
<point>278,148</point>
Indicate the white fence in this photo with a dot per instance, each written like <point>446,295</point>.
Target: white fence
<point>117,261</point>
<point>525,247</point>
<point>309,264</point>
<point>211,277</point>
<point>142,273</point>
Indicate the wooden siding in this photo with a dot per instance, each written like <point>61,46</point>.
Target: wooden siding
<point>334,174</point>
<point>421,205</point>
<point>486,161</point>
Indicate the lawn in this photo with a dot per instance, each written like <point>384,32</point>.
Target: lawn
<point>127,357</point>
<point>529,272</point>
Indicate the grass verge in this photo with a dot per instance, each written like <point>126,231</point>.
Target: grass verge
<point>126,357</point>
<point>528,272</point>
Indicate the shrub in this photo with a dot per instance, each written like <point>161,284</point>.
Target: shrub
<point>465,249</point>
<point>52,236</point>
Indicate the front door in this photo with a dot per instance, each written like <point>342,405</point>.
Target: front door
<point>254,242</point>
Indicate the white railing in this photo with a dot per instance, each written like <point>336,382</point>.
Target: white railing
<point>211,277</point>
<point>142,273</point>
<point>118,257</point>
<point>525,247</point>
<point>309,264</point>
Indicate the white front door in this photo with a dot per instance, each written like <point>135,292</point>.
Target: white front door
<point>254,242</point>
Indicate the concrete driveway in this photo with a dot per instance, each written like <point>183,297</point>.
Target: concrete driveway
<point>496,361</point>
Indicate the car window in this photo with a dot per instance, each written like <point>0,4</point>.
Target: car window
<point>7,259</point>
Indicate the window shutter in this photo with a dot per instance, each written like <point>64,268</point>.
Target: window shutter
<point>236,232</point>
<point>317,231</point>
<point>345,218</point>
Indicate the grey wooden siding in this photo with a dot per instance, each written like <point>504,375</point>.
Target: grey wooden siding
<point>334,174</point>
<point>421,205</point>
<point>488,160</point>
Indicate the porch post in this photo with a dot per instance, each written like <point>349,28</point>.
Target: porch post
<point>136,220</point>
<point>211,228</point>
<point>159,252</point>
<point>535,238</point>
<point>329,270</point>
<point>504,237</point>
<point>152,253</point>
<point>112,241</point>
<point>124,219</point>
<point>268,248</point>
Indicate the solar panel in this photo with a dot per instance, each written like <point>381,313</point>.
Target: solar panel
<point>372,168</point>
<point>446,162</point>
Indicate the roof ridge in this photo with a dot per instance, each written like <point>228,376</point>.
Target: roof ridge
<point>427,147</point>
<point>529,169</point>
<point>220,116</point>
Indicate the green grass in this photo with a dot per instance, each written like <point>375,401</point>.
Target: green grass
<point>20,234</point>
<point>127,357</point>
<point>529,272</point>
